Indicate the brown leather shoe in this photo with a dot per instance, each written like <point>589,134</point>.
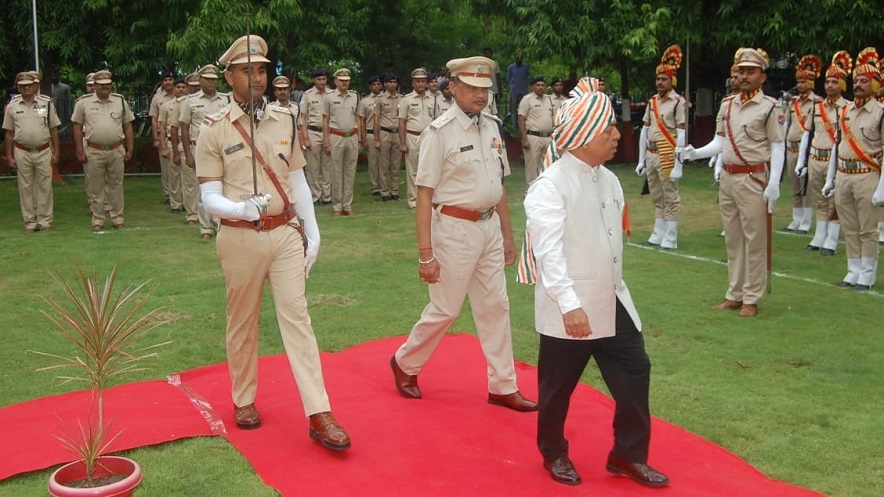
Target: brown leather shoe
<point>640,472</point>
<point>515,401</point>
<point>727,305</point>
<point>562,471</point>
<point>327,431</point>
<point>119,226</point>
<point>247,417</point>
<point>97,227</point>
<point>206,236</point>
<point>349,213</point>
<point>748,311</point>
<point>406,383</point>
<point>337,214</point>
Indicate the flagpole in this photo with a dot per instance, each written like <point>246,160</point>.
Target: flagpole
<point>36,42</point>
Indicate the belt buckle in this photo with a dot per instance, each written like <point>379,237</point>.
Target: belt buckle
<point>106,147</point>
<point>485,215</point>
<point>33,150</point>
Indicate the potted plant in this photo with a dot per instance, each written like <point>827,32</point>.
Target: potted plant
<point>105,329</point>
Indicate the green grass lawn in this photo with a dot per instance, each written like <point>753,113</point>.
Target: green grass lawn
<point>797,391</point>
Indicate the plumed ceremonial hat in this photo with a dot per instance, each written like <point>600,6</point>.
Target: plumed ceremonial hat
<point>841,65</point>
<point>474,71</point>
<point>581,119</point>
<point>808,68</point>
<point>867,64</point>
<point>670,61</point>
<point>754,57</point>
<point>103,77</point>
<point>281,82</point>
<point>208,71</point>
<point>343,74</point>
<point>246,48</point>
<point>737,54</point>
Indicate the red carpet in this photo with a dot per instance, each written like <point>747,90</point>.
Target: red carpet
<point>449,443</point>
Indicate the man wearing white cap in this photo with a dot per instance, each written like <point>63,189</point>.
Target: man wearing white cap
<point>750,134</point>
<point>31,126</point>
<point>583,308</point>
<point>464,236</point>
<point>340,141</point>
<point>261,235</point>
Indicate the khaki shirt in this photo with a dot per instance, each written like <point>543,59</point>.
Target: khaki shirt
<point>464,162</point>
<point>341,110</point>
<point>755,123</point>
<point>312,106</point>
<point>388,110</point>
<point>443,105</point>
<point>221,152</point>
<point>672,112</point>
<point>194,110</point>
<point>821,139</point>
<point>368,108</point>
<point>417,112</point>
<point>166,110</point>
<point>558,101</point>
<point>864,124</point>
<point>538,112</point>
<point>798,125</point>
<point>103,120</point>
<point>157,101</point>
<point>30,122</point>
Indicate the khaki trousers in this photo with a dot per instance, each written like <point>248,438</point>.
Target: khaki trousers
<point>318,169</point>
<point>35,187</point>
<point>817,171</point>
<point>373,166</point>
<point>744,216</point>
<point>389,160</point>
<point>344,154</point>
<point>799,201</point>
<point>248,259</point>
<point>164,175</point>
<point>471,259</point>
<point>414,142</point>
<point>859,218</point>
<point>173,179</point>
<point>106,169</point>
<point>534,157</point>
<point>190,192</point>
<point>664,193</point>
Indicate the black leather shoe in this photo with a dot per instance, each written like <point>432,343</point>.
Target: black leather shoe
<point>406,383</point>
<point>845,284</point>
<point>647,243</point>
<point>640,472</point>
<point>394,197</point>
<point>826,251</point>
<point>515,401</point>
<point>562,470</point>
<point>811,248</point>
<point>862,288</point>
<point>385,198</point>
<point>801,232</point>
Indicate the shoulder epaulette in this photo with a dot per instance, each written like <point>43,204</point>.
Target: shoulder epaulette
<point>729,97</point>
<point>278,108</point>
<point>491,116</point>
<point>213,118</point>
<point>44,97</point>
<point>181,98</point>
<point>441,121</point>
<point>116,95</point>
<point>15,98</point>
<point>771,100</point>
<point>85,95</point>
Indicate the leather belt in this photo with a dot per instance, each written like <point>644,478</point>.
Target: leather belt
<point>853,167</point>
<point>389,130</point>
<point>270,223</point>
<point>820,154</point>
<point>97,146</point>
<point>415,133</point>
<point>315,128</point>
<point>369,131</point>
<point>31,149</point>
<point>338,132</point>
<point>793,146</point>
<point>744,168</point>
<point>538,133</point>
<point>652,147</point>
<point>450,210</point>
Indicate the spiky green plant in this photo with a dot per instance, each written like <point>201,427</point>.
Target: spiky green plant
<point>105,329</point>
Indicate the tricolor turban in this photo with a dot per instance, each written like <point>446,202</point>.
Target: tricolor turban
<point>582,118</point>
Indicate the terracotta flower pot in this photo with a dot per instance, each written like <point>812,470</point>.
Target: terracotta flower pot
<point>107,465</point>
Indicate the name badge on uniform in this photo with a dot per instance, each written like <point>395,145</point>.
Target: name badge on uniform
<point>466,149</point>
<point>230,150</point>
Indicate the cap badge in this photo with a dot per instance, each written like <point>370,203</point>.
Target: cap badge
<point>253,49</point>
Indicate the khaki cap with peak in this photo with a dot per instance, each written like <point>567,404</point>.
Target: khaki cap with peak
<point>281,82</point>
<point>343,74</point>
<point>751,57</point>
<point>419,73</point>
<point>193,79</point>
<point>474,71</point>
<point>245,48</point>
<point>208,71</point>
<point>25,78</point>
<point>90,78</point>
<point>103,77</point>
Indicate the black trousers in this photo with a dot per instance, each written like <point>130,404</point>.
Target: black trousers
<point>626,369</point>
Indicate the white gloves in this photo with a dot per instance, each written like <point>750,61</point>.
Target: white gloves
<point>675,175</point>
<point>640,169</point>
<point>642,151</point>
<point>771,194</point>
<point>719,165</point>
<point>260,203</point>
<point>878,196</point>
<point>801,167</point>
<point>689,153</point>
<point>829,187</point>
<point>713,160</point>
<point>217,204</point>
<point>777,159</point>
<point>304,206</point>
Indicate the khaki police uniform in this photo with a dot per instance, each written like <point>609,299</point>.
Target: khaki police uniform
<point>539,115</point>
<point>193,113</point>
<point>103,122</point>
<point>187,185</point>
<point>416,112</point>
<point>799,123</point>
<point>664,193</point>
<point>28,125</point>
<point>343,139</point>
<point>249,257</point>
<point>558,101</point>
<point>386,131</point>
<point>464,161</point>
<point>173,171</point>
<point>756,123</point>
<point>855,184</point>
<point>318,164</point>
<point>443,104</point>
<point>367,109</point>
<point>821,143</point>
<point>155,104</point>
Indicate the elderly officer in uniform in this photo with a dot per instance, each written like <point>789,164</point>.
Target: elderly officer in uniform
<point>582,305</point>
<point>340,141</point>
<point>365,114</point>
<point>815,161</point>
<point>750,135</point>
<point>464,236</point>
<point>798,122</point>
<point>386,138</point>
<point>32,147</point>
<point>859,188</point>
<point>536,113</point>
<point>416,111</point>
<point>107,121</point>
<point>318,163</point>
<point>164,94</point>
<point>259,236</point>
<point>194,110</point>
<point>662,132</point>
